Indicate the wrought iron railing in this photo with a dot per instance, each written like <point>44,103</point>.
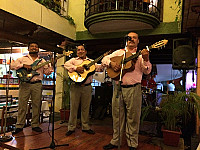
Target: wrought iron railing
<point>99,6</point>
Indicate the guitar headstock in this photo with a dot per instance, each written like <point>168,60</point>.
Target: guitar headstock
<point>68,53</point>
<point>159,44</point>
<point>108,52</point>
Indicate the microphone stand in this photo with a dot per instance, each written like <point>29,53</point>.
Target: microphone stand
<point>52,145</point>
<point>6,138</point>
<point>118,96</point>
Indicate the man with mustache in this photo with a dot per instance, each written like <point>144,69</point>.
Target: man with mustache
<point>31,89</point>
<point>80,93</point>
<point>126,105</point>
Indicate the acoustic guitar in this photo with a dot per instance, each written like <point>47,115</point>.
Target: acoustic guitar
<point>129,61</point>
<point>89,69</point>
<point>25,75</point>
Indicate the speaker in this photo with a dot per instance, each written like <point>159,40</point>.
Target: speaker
<point>183,54</point>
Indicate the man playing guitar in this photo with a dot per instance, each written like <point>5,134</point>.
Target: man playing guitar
<point>130,96</point>
<point>31,88</point>
<point>80,93</point>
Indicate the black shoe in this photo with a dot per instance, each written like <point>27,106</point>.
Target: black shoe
<point>132,148</point>
<point>89,131</point>
<point>37,129</point>
<point>69,132</point>
<point>17,130</point>
<point>110,146</point>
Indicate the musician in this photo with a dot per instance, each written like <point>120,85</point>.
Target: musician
<point>130,95</point>
<point>31,89</point>
<point>80,93</point>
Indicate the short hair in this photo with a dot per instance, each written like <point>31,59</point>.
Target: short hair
<point>132,32</point>
<point>81,45</point>
<point>32,42</point>
<point>9,72</point>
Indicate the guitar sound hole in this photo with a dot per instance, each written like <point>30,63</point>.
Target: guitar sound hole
<point>86,67</point>
<point>79,74</point>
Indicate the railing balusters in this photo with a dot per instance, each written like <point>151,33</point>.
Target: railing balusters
<point>99,6</point>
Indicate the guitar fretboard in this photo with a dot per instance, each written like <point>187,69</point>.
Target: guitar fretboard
<point>97,59</point>
<point>134,56</point>
<point>45,63</point>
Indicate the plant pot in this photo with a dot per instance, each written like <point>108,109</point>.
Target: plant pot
<point>171,138</point>
<point>64,114</point>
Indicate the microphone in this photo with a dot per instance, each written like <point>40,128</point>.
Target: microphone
<point>128,38</point>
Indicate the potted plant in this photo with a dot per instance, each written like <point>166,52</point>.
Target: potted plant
<point>174,111</point>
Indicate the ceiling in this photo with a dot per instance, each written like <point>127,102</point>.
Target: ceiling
<point>15,31</point>
<point>191,17</point>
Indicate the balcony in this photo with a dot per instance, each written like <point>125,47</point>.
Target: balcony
<point>103,16</point>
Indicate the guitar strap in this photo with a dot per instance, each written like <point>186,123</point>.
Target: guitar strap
<point>38,61</point>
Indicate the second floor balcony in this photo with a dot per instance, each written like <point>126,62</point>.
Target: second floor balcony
<point>103,16</point>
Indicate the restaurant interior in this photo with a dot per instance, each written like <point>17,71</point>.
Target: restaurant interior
<point>175,69</point>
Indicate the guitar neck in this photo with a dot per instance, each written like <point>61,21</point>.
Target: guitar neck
<point>135,55</point>
<point>95,61</point>
<point>40,65</point>
<point>45,63</point>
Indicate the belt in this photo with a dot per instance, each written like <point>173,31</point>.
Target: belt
<point>38,81</point>
<point>128,86</point>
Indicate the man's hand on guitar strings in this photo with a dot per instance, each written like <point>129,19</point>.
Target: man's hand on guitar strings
<point>80,69</point>
<point>28,67</point>
<point>115,66</point>
<point>145,54</point>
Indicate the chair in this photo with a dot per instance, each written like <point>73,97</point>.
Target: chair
<point>4,97</point>
<point>46,100</point>
<point>10,119</point>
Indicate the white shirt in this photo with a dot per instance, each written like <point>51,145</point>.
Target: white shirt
<point>171,87</point>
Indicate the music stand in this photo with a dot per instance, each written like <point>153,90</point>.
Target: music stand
<point>52,145</point>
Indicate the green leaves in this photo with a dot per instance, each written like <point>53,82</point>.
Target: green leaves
<point>55,6</point>
<point>178,7</point>
<point>176,109</point>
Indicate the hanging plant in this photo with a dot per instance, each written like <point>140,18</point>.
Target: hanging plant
<point>178,7</point>
<point>69,18</point>
<point>55,7</point>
